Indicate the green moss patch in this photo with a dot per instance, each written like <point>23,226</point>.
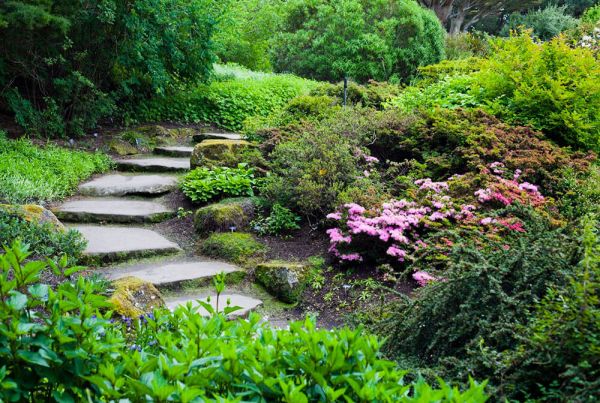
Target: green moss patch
<point>286,280</point>
<point>237,247</point>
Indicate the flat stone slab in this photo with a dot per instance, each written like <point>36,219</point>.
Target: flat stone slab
<point>198,137</point>
<point>121,185</point>
<point>164,273</point>
<point>109,243</point>
<point>245,302</point>
<point>113,210</point>
<point>154,164</point>
<point>175,151</point>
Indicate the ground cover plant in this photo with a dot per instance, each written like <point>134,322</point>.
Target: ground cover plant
<point>203,184</point>
<point>29,173</point>
<point>207,358</point>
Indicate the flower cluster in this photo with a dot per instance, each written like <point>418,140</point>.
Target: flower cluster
<point>506,191</point>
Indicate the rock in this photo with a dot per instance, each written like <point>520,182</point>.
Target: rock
<point>215,152</point>
<point>198,137</point>
<point>33,213</point>
<point>151,135</point>
<point>245,303</point>
<point>121,147</point>
<point>153,164</point>
<point>230,214</point>
<point>117,210</point>
<point>237,247</point>
<point>174,151</point>
<point>134,297</point>
<point>286,280</point>
<point>121,185</point>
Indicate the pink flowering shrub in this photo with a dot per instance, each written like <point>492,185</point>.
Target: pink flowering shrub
<point>397,229</point>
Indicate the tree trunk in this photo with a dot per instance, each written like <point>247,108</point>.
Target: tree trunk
<point>456,23</point>
<point>441,8</point>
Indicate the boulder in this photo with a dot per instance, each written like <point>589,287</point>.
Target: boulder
<point>121,147</point>
<point>285,280</point>
<point>33,213</point>
<point>224,216</point>
<point>218,152</point>
<point>134,297</point>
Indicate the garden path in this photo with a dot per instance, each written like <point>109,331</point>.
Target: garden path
<point>113,212</point>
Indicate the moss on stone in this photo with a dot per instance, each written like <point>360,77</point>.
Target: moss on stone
<point>219,217</point>
<point>134,297</point>
<point>237,247</point>
<point>33,213</point>
<point>218,152</point>
<point>285,280</point>
<point>121,147</point>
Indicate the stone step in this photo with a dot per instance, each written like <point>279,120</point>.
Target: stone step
<point>122,185</point>
<point>113,211</point>
<point>245,302</point>
<point>174,151</point>
<point>199,137</point>
<point>175,272</point>
<point>153,164</point>
<point>110,243</point>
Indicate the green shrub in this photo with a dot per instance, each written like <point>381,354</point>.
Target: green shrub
<point>42,239</point>
<point>203,184</point>
<point>228,103</point>
<point>545,23</point>
<point>551,86</point>
<point>558,354</point>
<point>488,287</point>
<point>65,63</point>
<point>465,45</point>
<point>29,173</point>
<point>308,173</point>
<point>380,40</point>
<point>60,346</point>
<point>281,221</point>
<point>234,246</point>
<point>591,15</point>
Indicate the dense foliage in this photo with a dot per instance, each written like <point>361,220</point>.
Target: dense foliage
<point>380,40</point>
<point>544,23</point>
<point>235,95</point>
<point>43,239</point>
<point>30,173</point>
<point>64,64</point>
<point>550,86</point>
<point>61,346</point>
<point>203,184</point>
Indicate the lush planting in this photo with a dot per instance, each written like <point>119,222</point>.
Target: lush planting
<point>231,98</point>
<point>380,40</point>
<point>203,184</point>
<point>545,23</point>
<point>550,86</point>
<point>31,173</point>
<point>61,345</point>
<point>65,64</point>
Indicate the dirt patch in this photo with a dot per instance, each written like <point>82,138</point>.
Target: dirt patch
<point>303,244</point>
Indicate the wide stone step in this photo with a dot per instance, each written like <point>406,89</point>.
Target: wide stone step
<point>113,211</point>
<point>175,151</point>
<point>110,243</point>
<point>172,273</point>
<point>122,185</point>
<point>199,137</point>
<point>153,164</point>
<point>246,303</point>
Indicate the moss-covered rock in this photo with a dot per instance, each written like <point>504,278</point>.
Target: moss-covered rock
<point>220,217</point>
<point>121,147</point>
<point>134,297</point>
<point>33,213</point>
<point>237,247</point>
<point>285,280</point>
<point>219,152</point>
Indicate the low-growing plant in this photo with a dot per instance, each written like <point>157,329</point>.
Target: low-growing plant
<point>237,247</point>
<point>59,345</point>
<point>203,184</point>
<point>42,239</point>
<point>280,222</point>
<point>30,173</point>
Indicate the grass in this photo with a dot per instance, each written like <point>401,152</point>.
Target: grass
<point>29,173</point>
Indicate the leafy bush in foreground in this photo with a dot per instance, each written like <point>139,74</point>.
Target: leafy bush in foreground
<point>30,173</point>
<point>203,184</point>
<point>42,239</point>
<point>61,346</point>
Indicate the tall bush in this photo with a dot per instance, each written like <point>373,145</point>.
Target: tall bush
<point>361,39</point>
<point>545,23</point>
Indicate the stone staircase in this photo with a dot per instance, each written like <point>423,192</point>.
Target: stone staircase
<point>114,213</point>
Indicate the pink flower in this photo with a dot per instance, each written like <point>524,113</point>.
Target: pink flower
<point>487,221</point>
<point>396,252</point>
<point>354,209</point>
<point>334,216</point>
<point>351,257</point>
<point>366,173</point>
<point>423,278</point>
